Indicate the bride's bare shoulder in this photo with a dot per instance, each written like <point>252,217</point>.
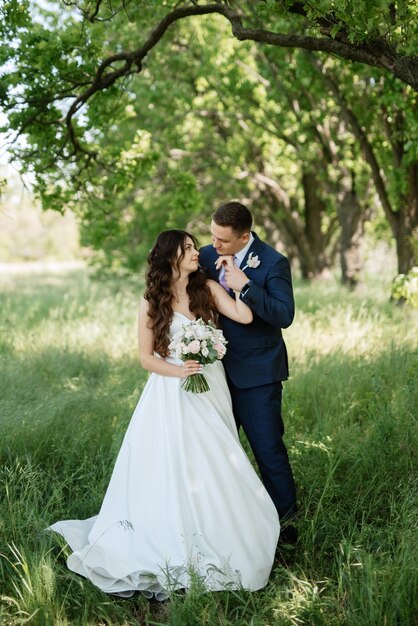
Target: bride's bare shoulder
<point>212,284</point>
<point>143,305</point>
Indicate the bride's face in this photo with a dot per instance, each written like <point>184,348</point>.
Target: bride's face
<point>190,262</point>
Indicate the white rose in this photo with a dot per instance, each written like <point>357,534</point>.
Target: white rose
<point>202,333</point>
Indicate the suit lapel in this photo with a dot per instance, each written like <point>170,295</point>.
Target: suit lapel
<point>255,248</point>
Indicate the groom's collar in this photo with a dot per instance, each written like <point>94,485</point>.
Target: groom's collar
<point>256,244</point>
<point>240,256</point>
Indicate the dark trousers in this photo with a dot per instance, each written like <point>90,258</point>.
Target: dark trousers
<point>259,411</point>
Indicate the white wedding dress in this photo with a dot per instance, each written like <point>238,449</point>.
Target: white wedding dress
<point>183,502</point>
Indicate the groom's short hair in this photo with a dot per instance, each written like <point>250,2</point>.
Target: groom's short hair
<point>235,215</point>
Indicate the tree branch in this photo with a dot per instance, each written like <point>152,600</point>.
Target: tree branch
<point>405,68</point>
<point>361,136</point>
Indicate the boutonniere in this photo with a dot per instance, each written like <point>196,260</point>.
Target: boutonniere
<point>252,261</point>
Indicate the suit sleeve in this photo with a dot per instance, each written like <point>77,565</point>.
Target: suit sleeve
<point>207,265</point>
<point>273,302</point>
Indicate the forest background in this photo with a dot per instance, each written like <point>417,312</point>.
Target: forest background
<point>145,115</point>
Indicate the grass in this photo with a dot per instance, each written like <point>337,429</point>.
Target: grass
<point>70,380</point>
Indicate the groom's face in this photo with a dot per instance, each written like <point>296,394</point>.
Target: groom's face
<point>226,241</point>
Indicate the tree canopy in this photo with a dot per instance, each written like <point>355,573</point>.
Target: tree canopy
<point>137,113</point>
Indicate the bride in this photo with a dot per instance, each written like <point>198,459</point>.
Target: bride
<point>183,502</point>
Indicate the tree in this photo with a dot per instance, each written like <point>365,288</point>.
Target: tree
<point>70,89</point>
<point>381,113</point>
<point>334,181</point>
<point>379,34</point>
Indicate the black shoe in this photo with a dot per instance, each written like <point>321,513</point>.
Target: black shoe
<point>288,535</point>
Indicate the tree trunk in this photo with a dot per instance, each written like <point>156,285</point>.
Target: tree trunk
<point>351,217</point>
<point>283,223</point>
<point>406,226</point>
<point>406,249</point>
<point>314,208</point>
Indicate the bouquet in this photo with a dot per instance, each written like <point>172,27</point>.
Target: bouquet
<point>200,342</point>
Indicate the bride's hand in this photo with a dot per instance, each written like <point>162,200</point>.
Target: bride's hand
<point>189,368</point>
<point>225,259</point>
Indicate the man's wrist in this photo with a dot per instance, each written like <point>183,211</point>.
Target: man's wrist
<point>245,288</point>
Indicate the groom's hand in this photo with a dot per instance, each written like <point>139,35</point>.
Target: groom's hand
<point>235,278</point>
<point>224,259</point>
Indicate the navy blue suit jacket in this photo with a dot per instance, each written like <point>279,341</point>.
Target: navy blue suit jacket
<point>256,353</point>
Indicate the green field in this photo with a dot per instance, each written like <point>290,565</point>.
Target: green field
<point>69,381</point>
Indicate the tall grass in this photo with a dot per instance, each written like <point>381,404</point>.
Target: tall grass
<point>69,381</point>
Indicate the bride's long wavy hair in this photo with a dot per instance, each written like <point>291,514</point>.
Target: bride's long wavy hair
<point>164,262</point>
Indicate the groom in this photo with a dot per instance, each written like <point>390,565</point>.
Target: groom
<point>256,358</point>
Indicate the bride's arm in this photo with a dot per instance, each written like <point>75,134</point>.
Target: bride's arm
<point>148,360</point>
<point>235,309</point>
